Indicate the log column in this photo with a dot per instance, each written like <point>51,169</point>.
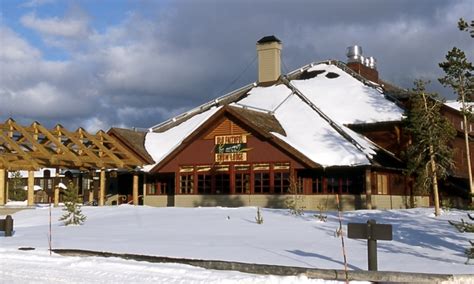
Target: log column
<point>56,188</point>
<point>102,188</point>
<point>56,196</point>
<point>135,188</point>
<point>368,188</point>
<point>3,181</point>
<point>31,188</point>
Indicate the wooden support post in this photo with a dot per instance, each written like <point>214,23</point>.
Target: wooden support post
<point>368,189</point>
<point>7,187</point>
<point>56,196</point>
<point>31,188</point>
<point>144,187</point>
<point>56,188</point>
<point>91,194</point>
<point>3,182</point>
<point>135,188</point>
<point>102,188</point>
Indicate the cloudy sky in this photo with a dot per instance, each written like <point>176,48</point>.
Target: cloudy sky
<point>133,63</point>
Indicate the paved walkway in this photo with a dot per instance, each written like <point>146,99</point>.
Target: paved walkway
<point>9,211</point>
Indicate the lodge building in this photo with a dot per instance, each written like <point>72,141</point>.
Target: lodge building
<point>326,129</point>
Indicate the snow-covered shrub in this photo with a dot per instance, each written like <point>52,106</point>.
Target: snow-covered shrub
<point>259,218</point>
<point>295,202</point>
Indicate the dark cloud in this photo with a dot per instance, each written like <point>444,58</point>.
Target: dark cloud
<point>169,56</point>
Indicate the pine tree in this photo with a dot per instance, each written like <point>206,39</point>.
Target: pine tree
<point>73,215</point>
<point>16,191</point>
<point>464,26</point>
<point>429,155</point>
<point>468,227</point>
<point>459,76</point>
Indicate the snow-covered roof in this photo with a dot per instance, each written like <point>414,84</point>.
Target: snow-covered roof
<point>161,144</point>
<point>345,99</point>
<point>312,113</point>
<point>457,105</point>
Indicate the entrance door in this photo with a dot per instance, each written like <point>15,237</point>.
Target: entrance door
<point>169,182</point>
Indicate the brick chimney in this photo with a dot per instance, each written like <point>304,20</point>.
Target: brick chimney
<point>366,67</point>
<point>269,59</point>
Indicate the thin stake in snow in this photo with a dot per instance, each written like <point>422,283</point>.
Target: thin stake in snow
<point>341,233</point>
<point>50,231</point>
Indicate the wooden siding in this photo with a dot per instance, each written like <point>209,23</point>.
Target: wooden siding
<point>226,127</point>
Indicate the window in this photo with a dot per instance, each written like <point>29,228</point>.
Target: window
<point>222,183</point>
<point>332,185</point>
<point>262,182</point>
<point>242,179</point>
<point>382,184</point>
<point>186,183</point>
<point>242,183</point>
<point>152,189</point>
<point>317,185</point>
<point>204,183</point>
<point>282,182</point>
<point>346,184</point>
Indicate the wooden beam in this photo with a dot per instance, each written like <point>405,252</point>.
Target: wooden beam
<point>93,157</point>
<point>18,149</point>
<point>99,144</point>
<point>29,137</point>
<point>121,149</point>
<point>66,153</point>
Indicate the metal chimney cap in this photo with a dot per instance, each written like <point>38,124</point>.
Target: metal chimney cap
<point>268,39</point>
<point>354,51</point>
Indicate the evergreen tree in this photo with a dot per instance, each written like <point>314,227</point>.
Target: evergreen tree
<point>468,227</point>
<point>429,155</point>
<point>73,215</point>
<point>464,26</point>
<point>458,76</point>
<point>16,191</point>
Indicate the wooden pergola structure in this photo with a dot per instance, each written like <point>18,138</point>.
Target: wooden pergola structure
<point>34,147</point>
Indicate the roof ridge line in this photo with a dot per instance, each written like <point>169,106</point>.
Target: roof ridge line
<point>324,116</point>
<point>204,107</point>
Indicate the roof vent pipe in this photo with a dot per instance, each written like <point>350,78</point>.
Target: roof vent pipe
<point>372,63</point>
<point>354,54</point>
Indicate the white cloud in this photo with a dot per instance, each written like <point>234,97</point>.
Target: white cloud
<point>74,27</point>
<point>153,65</point>
<point>14,48</point>
<point>36,3</point>
<point>43,100</point>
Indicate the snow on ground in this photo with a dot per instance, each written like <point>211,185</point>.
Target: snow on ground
<point>40,267</point>
<point>421,243</point>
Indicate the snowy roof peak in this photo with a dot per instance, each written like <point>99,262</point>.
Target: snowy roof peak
<point>310,107</point>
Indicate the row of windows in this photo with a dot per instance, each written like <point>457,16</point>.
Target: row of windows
<point>275,181</point>
<point>257,178</point>
<point>220,183</point>
<point>337,184</point>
